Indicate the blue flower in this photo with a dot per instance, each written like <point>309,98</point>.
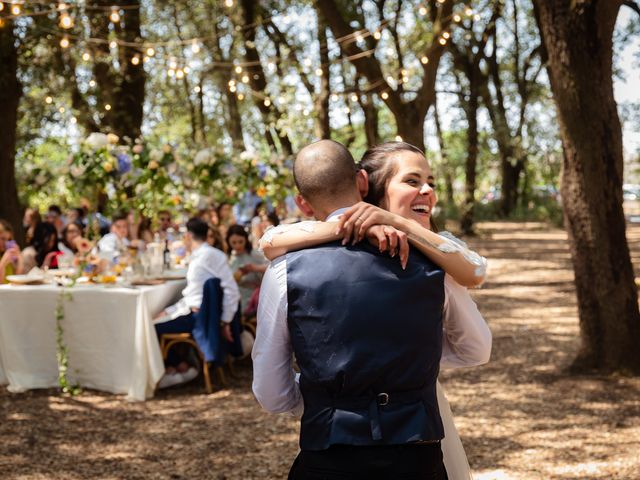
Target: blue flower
<point>124,162</point>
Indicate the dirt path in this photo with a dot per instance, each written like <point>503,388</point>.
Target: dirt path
<point>520,417</point>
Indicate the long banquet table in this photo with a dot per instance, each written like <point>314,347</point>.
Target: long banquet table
<point>112,345</point>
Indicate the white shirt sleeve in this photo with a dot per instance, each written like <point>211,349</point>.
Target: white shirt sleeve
<point>466,339</point>
<point>274,380</point>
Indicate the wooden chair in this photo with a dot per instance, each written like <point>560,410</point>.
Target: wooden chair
<point>168,340</point>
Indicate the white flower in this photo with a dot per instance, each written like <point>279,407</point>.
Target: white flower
<point>97,140</point>
<point>156,155</point>
<point>76,171</point>
<point>112,138</point>
<point>246,155</point>
<point>139,188</point>
<point>203,157</point>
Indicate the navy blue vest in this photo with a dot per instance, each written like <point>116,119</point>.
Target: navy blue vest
<point>367,337</point>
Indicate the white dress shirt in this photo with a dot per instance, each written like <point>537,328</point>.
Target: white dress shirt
<point>207,262</point>
<point>111,244</point>
<point>466,339</point>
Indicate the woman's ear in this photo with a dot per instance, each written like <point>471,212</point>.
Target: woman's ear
<point>362,181</point>
<point>304,206</point>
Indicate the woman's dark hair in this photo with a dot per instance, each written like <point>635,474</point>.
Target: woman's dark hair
<point>273,218</point>
<point>64,235</point>
<point>375,162</point>
<point>41,237</point>
<point>256,211</point>
<point>238,230</point>
<point>218,241</point>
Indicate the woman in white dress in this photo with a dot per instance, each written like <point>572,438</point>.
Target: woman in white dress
<point>402,185</point>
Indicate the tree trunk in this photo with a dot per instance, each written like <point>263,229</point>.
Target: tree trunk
<point>468,207</point>
<point>578,38</point>
<point>10,93</point>
<point>257,78</point>
<point>323,127</point>
<point>123,90</point>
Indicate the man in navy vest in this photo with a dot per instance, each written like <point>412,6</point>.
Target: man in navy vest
<point>367,336</point>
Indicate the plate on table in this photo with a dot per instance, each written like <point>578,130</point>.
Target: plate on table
<point>147,281</point>
<point>62,272</point>
<point>25,279</point>
<point>173,275</point>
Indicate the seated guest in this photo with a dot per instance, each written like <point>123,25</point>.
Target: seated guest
<point>69,234</point>
<point>30,220</point>
<point>247,265</point>
<point>75,215</point>
<point>54,216</point>
<point>10,257</point>
<point>214,238</point>
<point>43,251</point>
<point>145,232</point>
<point>115,242</point>
<point>164,224</point>
<point>206,262</point>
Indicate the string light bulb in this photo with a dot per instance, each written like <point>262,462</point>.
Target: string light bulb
<point>151,52</point>
<point>180,73</point>
<point>196,89</point>
<point>457,18</point>
<point>171,72</point>
<point>195,47</point>
<point>107,107</point>
<point>16,9</point>
<point>422,11</point>
<point>228,3</point>
<point>442,41</point>
<point>238,69</point>
<point>66,21</point>
<point>113,44</point>
<point>334,97</point>
<point>48,100</point>
<point>319,72</point>
<point>64,42</point>
<point>92,83</point>
<point>135,60</point>
<point>476,17</point>
<point>73,120</point>
<point>61,109</point>
<point>173,64</point>
<point>186,69</point>
<point>61,6</point>
<point>241,96</point>
<point>114,16</point>
<point>245,79</point>
<point>424,60</point>
<point>468,11</point>
<point>377,35</point>
<point>307,62</point>
<point>384,95</point>
<point>267,102</point>
<point>232,88</point>
<point>1,6</point>
<point>398,138</point>
<point>446,35</point>
<point>389,79</point>
<point>86,56</point>
<point>354,98</point>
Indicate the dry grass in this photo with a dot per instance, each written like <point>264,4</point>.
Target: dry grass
<point>520,417</point>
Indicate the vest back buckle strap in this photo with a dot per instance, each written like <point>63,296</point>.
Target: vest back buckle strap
<point>382,399</point>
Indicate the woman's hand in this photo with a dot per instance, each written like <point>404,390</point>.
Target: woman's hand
<point>355,222</point>
<point>390,239</point>
<point>10,255</point>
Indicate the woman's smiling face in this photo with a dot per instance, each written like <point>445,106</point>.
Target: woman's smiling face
<point>410,191</point>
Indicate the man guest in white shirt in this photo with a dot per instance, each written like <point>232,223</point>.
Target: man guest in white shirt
<point>205,262</point>
<point>115,242</point>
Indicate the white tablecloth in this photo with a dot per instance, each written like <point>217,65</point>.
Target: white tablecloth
<point>108,331</point>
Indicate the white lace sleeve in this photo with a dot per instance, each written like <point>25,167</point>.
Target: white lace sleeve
<point>308,226</point>
<point>453,244</point>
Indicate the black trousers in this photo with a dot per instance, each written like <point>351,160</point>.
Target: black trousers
<point>385,462</point>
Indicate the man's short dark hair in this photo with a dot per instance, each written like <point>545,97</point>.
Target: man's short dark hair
<point>324,169</point>
<point>198,229</point>
<point>118,216</point>
<point>55,209</point>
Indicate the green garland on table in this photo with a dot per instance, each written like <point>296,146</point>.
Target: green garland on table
<point>62,351</point>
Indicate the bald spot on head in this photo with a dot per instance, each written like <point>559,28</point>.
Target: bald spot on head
<point>324,170</point>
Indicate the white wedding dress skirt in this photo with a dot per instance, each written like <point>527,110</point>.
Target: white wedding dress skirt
<point>455,460</point>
